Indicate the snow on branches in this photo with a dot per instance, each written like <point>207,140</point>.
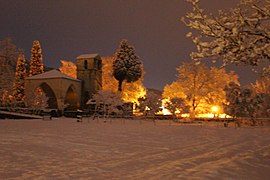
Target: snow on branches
<point>127,65</point>
<point>107,102</point>
<point>131,91</point>
<point>241,36</point>
<point>20,75</point>
<point>36,65</point>
<point>199,86</point>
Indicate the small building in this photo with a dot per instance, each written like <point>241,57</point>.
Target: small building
<point>60,89</point>
<point>64,91</point>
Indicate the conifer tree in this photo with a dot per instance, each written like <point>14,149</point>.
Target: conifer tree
<point>36,65</point>
<point>20,75</point>
<point>39,99</point>
<point>131,91</point>
<point>127,65</point>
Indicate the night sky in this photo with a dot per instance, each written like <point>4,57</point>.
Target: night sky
<point>69,28</point>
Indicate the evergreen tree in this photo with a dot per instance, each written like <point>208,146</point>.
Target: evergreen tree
<point>20,75</point>
<point>127,66</point>
<point>131,91</point>
<point>39,99</point>
<point>36,65</point>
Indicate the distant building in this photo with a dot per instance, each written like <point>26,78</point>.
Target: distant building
<point>64,91</point>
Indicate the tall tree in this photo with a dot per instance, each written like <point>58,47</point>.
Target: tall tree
<point>127,66</point>
<point>8,57</point>
<point>36,65</point>
<point>131,91</point>
<point>39,99</point>
<point>20,75</point>
<point>200,86</point>
<point>241,36</point>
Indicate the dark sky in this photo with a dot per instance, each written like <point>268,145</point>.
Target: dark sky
<point>68,28</point>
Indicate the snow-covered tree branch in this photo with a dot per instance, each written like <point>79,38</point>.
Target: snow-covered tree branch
<point>240,36</point>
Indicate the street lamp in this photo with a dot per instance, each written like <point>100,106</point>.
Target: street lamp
<point>215,110</point>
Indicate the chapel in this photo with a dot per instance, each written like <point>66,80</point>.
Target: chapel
<point>63,91</point>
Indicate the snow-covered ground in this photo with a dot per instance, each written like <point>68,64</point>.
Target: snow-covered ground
<point>65,149</point>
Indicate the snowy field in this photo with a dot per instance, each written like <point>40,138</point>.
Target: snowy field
<point>65,149</point>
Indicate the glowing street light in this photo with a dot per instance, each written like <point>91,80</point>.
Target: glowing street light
<point>215,110</point>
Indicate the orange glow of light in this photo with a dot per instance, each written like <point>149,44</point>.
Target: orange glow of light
<point>215,109</point>
<point>207,115</point>
<point>164,111</point>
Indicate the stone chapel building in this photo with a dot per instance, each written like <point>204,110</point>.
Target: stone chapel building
<point>64,91</point>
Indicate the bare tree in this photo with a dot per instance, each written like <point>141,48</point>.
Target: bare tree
<point>200,86</point>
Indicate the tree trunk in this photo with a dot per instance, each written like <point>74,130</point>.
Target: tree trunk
<point>192,113</point>
<point>120,82</point>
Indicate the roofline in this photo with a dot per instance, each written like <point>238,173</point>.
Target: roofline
<point>29,78</point>
<point>94,56</point>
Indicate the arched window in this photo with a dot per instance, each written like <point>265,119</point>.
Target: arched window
<point>99,65</point>
<point>85,64</point>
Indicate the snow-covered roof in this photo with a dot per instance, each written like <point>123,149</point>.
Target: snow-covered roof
<point>85,56</point>
<point>53,74</point>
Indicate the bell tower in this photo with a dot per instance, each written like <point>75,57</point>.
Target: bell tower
<point>89,71</point>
